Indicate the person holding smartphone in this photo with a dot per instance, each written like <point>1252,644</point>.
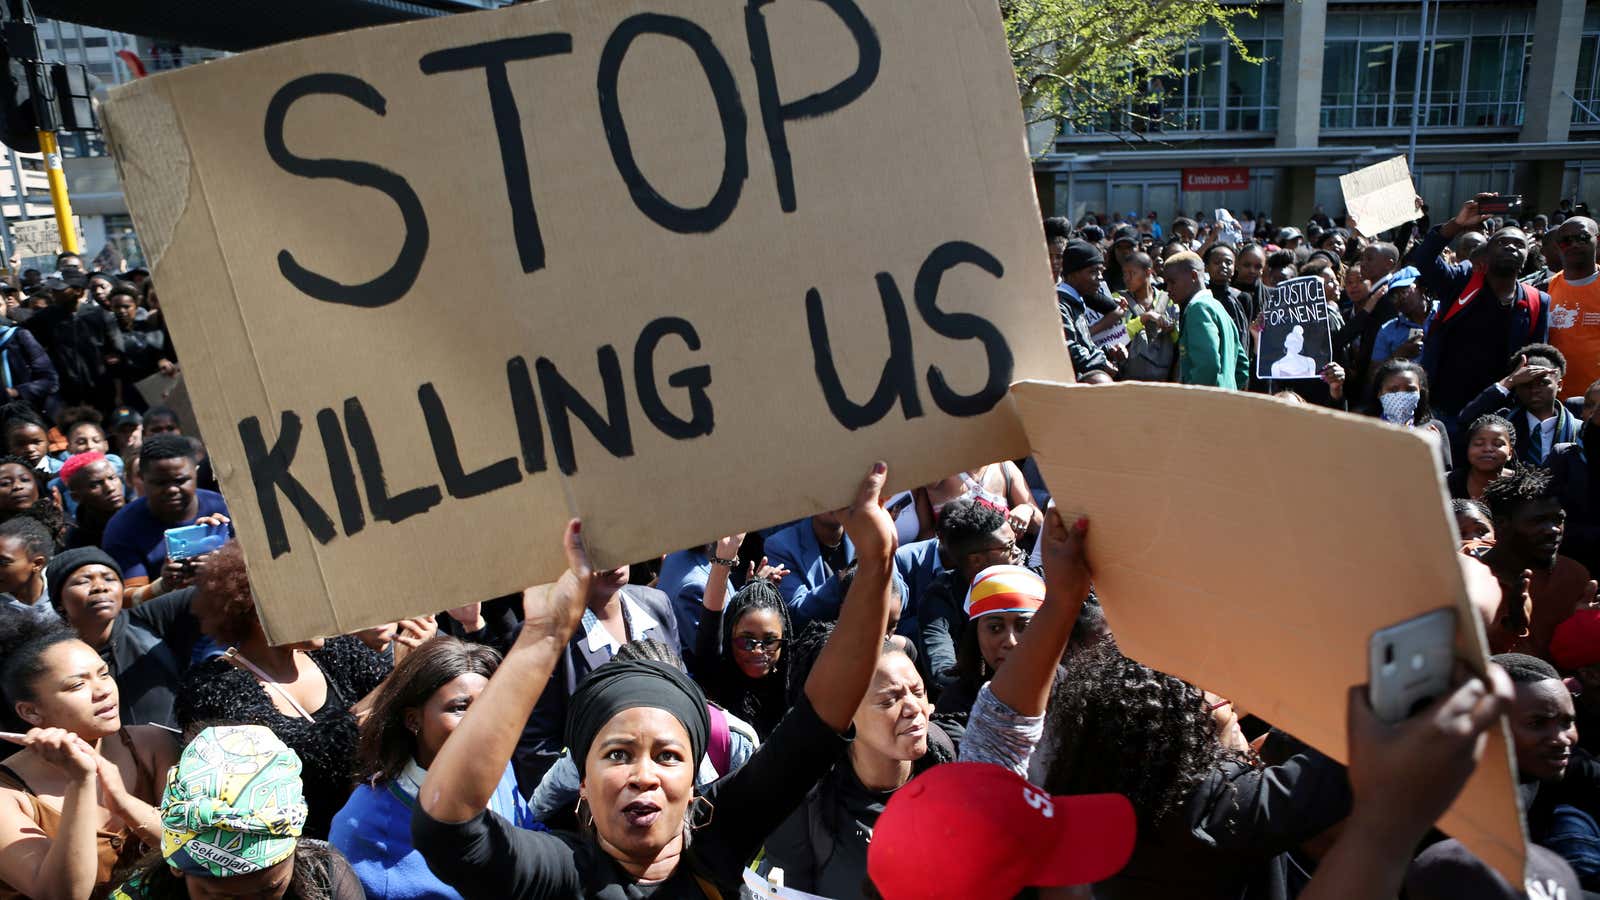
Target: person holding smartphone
<point>136,536</point>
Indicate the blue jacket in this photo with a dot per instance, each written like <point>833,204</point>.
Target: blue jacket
<point>373,831</point>
<point>811,588</point>
<point>683,579</point>
<point>1498,401</point>
<point>27,367</point>
<point>916,564</point>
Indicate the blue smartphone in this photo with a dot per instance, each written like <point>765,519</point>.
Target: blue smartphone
<point>195,540</point>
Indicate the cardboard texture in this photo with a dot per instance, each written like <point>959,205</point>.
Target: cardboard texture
<point>1381,196</point>
<point>38,237</point>
<point>398,257</point>
<point>171,392</point>
<point>1252,547</point>
<point>1296,341</point>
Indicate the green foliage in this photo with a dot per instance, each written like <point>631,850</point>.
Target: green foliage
<point>1107,63</point>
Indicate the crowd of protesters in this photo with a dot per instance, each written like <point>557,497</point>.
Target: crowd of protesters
<point>915,695</point>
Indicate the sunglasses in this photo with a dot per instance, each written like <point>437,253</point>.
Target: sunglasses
<point>765,645</point>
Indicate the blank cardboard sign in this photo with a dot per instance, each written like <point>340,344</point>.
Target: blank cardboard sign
<point>1252,547</point>
<point>682,269</point>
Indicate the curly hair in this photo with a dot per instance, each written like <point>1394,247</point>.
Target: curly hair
<point>965,526</point>
<point>224,586</point>
<point>1532,352</point>
<point>385,745</point>
<point>1127,729</point>
<point>23,642</point>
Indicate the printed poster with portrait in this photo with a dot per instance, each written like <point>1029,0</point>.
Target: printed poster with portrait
<point>1296,341</point>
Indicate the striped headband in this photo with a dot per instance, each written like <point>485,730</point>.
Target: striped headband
<point>1004,589</point>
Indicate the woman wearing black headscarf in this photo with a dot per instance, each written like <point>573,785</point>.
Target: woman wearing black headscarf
<point>637,729</point>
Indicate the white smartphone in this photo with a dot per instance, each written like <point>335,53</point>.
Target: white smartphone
<point>1410,664</point>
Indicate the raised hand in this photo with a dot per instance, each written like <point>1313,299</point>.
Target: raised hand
<point>866,522</point>
<point>1066,566</point>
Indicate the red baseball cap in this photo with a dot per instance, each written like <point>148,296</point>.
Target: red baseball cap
<point>978,831</point>
<point>1576,642</point>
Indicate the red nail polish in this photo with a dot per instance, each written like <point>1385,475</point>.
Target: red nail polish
<point>879,468</point>
<point>1082,523</point>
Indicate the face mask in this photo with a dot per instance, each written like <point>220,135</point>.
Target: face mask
<point>1400,407</point>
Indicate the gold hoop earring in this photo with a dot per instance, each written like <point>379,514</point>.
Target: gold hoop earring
<point>695,812</point>
<point>580,810</point>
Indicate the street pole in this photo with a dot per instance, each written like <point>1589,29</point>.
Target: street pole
<point>22,35</point>
<point>58,191</point>
<point>1417,108</point>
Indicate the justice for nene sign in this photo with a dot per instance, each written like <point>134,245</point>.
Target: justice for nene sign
<point>681,269</point>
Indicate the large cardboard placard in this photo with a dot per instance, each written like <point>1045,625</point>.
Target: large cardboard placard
<point>1381,196</point>
<point>681,269</point>
<point>1266,590</point>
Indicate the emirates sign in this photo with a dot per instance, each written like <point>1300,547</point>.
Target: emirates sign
<point>1222,178</point>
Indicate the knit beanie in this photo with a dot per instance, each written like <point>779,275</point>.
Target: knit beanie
<point>1080,254</point>
<point>63,564</point>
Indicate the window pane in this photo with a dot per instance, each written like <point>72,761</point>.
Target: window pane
<point>1444,97</point>
<point>1483,81</point>
<point>1377,66</point>
<point>1338,84</point>
<point>1405,83</point>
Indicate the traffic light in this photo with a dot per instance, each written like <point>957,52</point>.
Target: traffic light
<point>72,92</point>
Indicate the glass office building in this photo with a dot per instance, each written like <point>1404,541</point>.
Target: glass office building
<point>1509,100</point>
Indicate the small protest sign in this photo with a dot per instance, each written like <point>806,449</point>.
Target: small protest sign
<point>1296,340</point>
<point>696,286</point>
<point>1279,623</point>
<point>170,391</point>
<point>38,237</point>
<point>1380,197</point>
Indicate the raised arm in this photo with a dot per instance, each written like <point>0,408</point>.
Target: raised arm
<point>469,766</point>
<point>844,668</point>
<point>1023,683</point>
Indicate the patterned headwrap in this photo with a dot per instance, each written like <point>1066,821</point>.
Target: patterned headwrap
<point>1004,589</point>
<point>233,803</point>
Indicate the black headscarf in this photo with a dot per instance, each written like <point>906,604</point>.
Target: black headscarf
<point>623,684</point>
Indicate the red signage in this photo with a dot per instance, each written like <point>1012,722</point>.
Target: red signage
<point>1222,178</point>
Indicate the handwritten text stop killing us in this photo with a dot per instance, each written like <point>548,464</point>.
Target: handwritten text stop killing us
<point>683,408</point>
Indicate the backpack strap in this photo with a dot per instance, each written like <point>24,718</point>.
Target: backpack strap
<point>721,746</point>
<point>1535,306</point>
<point>1469,292</point>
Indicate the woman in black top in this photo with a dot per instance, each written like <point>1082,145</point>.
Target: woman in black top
<point>147,647</point>
<point>742,654</point>
<point>647,831</point>
<point>305,692</point>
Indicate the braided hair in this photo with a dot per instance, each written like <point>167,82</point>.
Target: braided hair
<point>759,701</point>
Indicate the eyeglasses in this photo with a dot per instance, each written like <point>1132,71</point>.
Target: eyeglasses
<point>765,645</point>
<point>1582,237</point>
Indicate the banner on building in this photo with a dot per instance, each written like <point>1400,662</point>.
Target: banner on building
<point>1217,178</point>
<point>441,285</point>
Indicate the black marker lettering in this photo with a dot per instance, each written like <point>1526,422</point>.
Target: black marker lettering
<point>385,508</point>
<point>694,380</point>
<point>340,472</point>
<point>899,378</point>
<point>525,407</point>
<point>775,113</point>
<point>460,483</point>
<point>963,326</point>
<point>492,57</point>
<point>561,399</point>
<point>393,284</point>
<point>730,109</point>
<point>269,472</point>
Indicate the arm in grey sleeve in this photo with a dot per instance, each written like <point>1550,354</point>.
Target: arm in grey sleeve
<point>998,734</point>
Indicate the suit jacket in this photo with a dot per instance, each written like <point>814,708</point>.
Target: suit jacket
<point>812,587</point>
<point>1209,349</point>
<point>1495,400</point>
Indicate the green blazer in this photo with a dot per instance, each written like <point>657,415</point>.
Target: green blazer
<point>1210,351</point>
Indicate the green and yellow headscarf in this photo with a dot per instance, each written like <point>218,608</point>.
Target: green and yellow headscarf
<point>233,803</point>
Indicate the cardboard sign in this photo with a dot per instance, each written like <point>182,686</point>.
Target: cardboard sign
<point>38,237</point>
<point>1296,340</point>
<point>441,285</point>
<point>1260,595</point>
<point>170,391</point>
<point>1380,197</point>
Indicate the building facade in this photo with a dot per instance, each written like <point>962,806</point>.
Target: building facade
<point>1509,101</point>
